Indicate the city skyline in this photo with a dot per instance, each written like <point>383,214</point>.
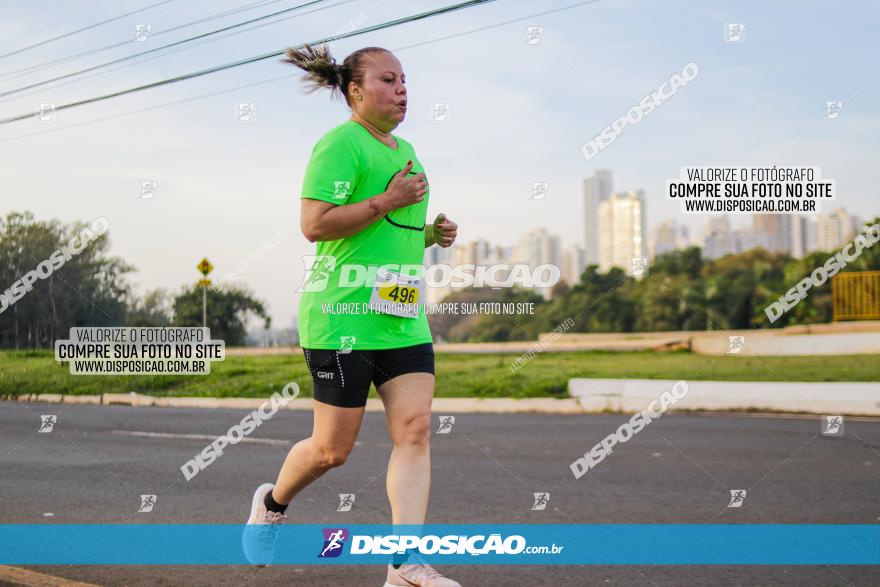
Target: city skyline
<point>793,234</point>
<point>614,229</point>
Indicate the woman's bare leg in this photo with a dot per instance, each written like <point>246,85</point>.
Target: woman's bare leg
<point>407,400</point>
<point>333,435</point>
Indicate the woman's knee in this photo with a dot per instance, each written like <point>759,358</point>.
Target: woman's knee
<point>331,455</point>
<point>415,431</point>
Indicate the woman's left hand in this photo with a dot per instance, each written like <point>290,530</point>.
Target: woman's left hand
<point>445,230</point>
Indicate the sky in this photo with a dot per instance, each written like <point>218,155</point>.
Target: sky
<point>519,114</point>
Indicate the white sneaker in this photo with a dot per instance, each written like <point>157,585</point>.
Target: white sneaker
<point>261,529</point>
<point>417,575</point>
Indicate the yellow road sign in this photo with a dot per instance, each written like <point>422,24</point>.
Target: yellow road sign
<point>205,282</point>
<point>205,267</point>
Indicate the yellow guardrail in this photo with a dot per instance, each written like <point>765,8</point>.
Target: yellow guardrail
<point>856,295</point>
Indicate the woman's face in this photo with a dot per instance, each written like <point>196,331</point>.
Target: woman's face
<point>384,92</point>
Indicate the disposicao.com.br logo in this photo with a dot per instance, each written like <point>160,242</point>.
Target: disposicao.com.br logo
<point>431,544</point>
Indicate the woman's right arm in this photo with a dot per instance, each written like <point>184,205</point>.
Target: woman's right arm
<point>324,221</point>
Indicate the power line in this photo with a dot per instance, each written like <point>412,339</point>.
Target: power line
<point>279,78</point>
<point>246,61</point>
<point>32,68</point>
<point>185,48</point>
<point>148,109</point>
<point>70,34</point>
<point>498,24</point>
<point>154,50</point>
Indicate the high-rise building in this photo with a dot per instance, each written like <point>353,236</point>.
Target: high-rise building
<point>435,255</point>
<point>777,233</point>
<point>666,237</point>
<point>717,239</point>
<point>800,244</point>
<point>772,232</point>
<point>835,229</point>
<point>622,234</point>
<point>502,254</point>
<point>597,189</point>
<point>475,252</point>
<point>812,235</point>
<point>573,264</point>
<point>746,239</point>
<point>713,224</point>
<point>537,247</point>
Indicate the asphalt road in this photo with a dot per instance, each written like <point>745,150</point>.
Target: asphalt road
<point>677,470</point>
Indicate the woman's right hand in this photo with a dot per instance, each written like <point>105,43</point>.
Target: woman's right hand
<point>404,189</point>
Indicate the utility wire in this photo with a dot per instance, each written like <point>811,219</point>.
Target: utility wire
<point>32,68</point>
<point>279,78</point>
<point>248,60</point>
<point>91,26</point>
<point>182,48</point>
<point>154,50</point>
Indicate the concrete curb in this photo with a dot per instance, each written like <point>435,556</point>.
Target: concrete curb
<point>632,395</point>
<point>450,405</point>
<point>589,396</point>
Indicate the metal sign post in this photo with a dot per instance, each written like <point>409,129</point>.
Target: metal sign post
<point>204,268</point>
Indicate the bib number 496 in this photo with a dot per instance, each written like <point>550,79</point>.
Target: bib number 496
<point>397,294</point>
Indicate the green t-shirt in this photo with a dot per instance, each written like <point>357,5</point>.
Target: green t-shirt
<point>349,165</point>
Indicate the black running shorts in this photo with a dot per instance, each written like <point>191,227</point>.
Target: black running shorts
<point>343,379</point>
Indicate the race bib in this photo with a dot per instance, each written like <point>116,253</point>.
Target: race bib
<point>397,294</point>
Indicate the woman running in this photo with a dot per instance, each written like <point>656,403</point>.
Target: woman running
<point>364,201</point>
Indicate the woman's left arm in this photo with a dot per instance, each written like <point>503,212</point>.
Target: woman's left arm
<point>443,232</point>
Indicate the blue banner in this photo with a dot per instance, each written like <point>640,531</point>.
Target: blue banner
<point>532,544</point>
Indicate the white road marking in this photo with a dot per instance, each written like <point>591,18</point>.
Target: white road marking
<point>271,441</point>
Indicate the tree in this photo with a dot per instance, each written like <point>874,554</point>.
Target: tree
<point>227,312</point>
<point>601,302</point>
<point>869,260</point>
<point>455,327</point>
<point>739,287</point>
<point>502,327</point>
<point>86,290</point>
<point>671,296</point>
<point>154,310</point>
